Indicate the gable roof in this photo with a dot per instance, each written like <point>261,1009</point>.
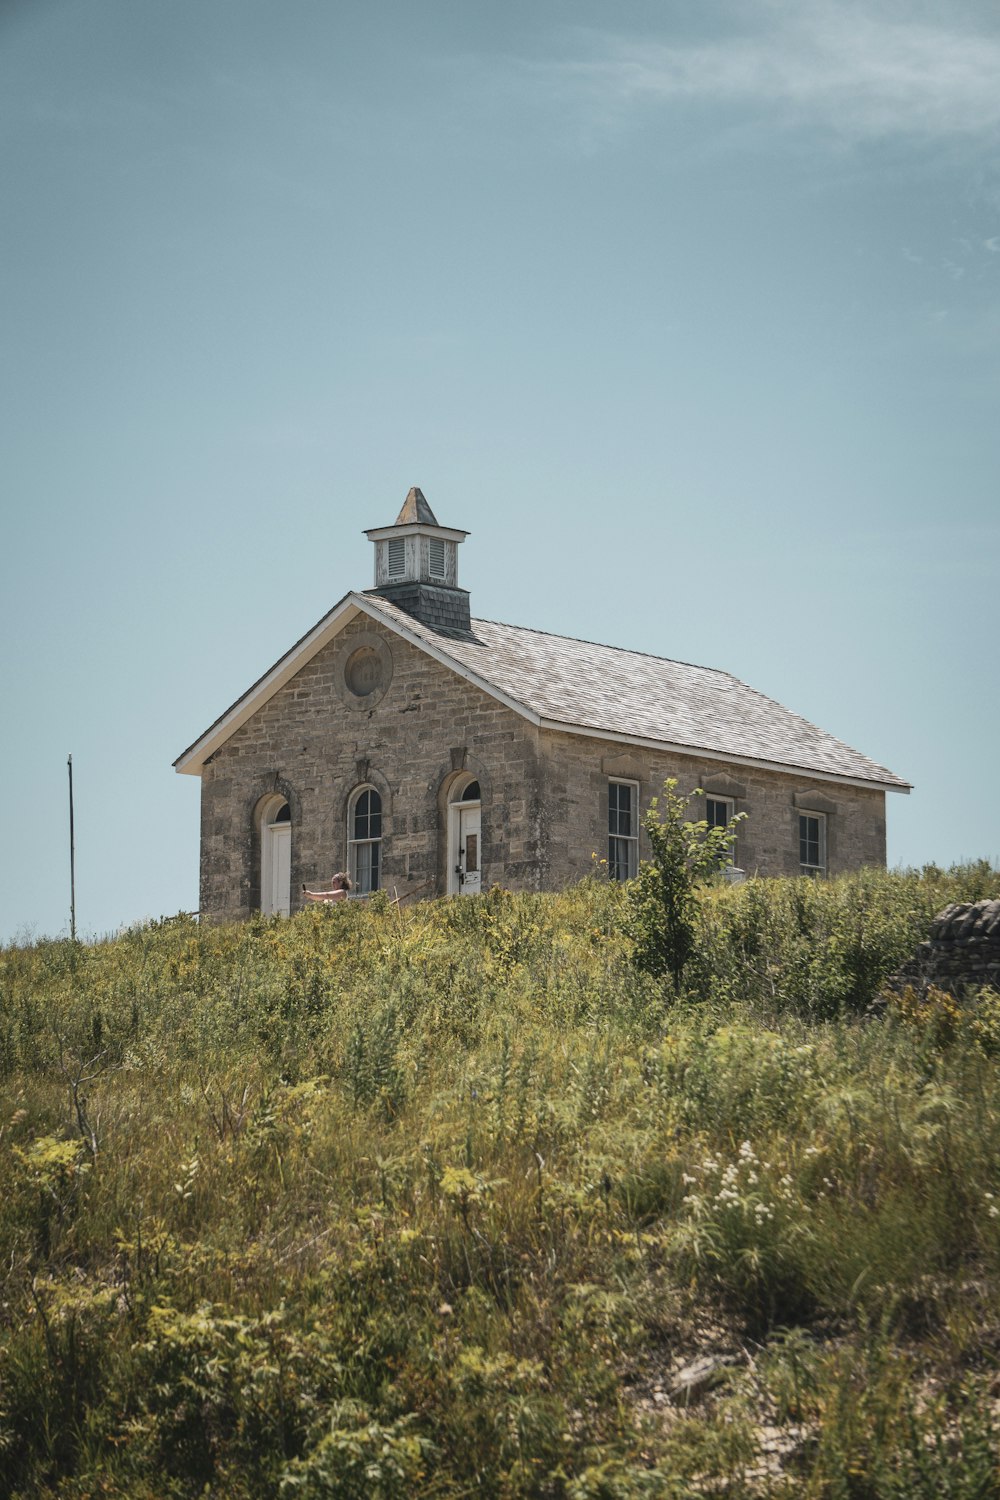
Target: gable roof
<point>582,687</point>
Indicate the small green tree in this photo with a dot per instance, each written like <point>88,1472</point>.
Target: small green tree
<point>662,905</point>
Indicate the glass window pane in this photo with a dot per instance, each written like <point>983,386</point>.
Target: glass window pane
<point>363,868</point>
<point>809,840</point>
<point>621,858</point>
<point>367,815</point>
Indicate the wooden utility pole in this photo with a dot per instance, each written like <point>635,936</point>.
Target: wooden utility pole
<point>72,857</point>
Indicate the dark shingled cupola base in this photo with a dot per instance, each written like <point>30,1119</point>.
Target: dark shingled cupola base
<point>442,609</point>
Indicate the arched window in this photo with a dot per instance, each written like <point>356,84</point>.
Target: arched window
<point>275,817</point>
<point>364,840</point>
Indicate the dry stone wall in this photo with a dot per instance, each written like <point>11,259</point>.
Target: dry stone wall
<point>962,953</point>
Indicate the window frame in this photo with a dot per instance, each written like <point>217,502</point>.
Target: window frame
<point>458,800</point>
<point>729,803</point>
<point>272,812</point>
<point>363,884</point>
<point>617,838</point>
<point>817,870</point>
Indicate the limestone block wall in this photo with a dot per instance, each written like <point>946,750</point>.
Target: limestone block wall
<point>314,742</point>
<point>544,792</point>
<point>575,771</point>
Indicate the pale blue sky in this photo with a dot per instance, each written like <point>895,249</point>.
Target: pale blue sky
<point>689,313</point>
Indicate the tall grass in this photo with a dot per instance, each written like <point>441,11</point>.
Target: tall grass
<point>440,1202</point>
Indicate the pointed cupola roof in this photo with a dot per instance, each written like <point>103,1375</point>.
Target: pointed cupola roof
<point>416,510</point>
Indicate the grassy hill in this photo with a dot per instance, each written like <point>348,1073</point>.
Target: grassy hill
<point>454,1201</point>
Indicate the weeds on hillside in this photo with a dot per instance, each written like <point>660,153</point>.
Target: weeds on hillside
<point>448,1204</point>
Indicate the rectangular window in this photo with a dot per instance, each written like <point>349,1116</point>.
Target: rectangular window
<point>718,814</point>
<point>396,556</point>
<point>623,830</point>
<point>435,556</point>
<point>812,843</point>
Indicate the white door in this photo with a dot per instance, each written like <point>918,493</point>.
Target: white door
<point>469,840</point>
<point>279,889</point>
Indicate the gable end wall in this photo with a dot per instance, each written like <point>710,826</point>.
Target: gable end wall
<point>314,743</point>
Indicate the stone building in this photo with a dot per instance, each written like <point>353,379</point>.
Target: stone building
<point>431,753</point>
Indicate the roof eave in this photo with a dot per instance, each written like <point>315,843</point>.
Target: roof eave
<point>698,752</point>
<point>415,528</point>
<point>191,761</point>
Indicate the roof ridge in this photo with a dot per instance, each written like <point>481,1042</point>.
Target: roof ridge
<point>695,666</point>
<point>580,640</point>
<point>817,728</point>
<point>676,662</point>
<point>757,745</point>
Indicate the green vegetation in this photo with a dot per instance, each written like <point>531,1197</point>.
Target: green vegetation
<point>662,918</point>
<point>460,1201</point>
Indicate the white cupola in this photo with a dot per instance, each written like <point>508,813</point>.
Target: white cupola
<point>416,566</point>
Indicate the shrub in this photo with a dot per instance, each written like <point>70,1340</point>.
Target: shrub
<point>662,917</point>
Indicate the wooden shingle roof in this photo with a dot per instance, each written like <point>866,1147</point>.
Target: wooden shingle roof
<point>583,685</point>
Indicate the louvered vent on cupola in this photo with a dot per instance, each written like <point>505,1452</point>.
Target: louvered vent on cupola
<point>435,557</point>
<point>396,557</point>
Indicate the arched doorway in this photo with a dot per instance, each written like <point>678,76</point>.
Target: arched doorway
<point>275,857</point>
<point>465,864</point>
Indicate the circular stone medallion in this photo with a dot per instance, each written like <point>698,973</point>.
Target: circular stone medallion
<point>365,672</point>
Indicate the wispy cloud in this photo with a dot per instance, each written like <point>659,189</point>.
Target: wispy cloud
<point>853,69</point>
